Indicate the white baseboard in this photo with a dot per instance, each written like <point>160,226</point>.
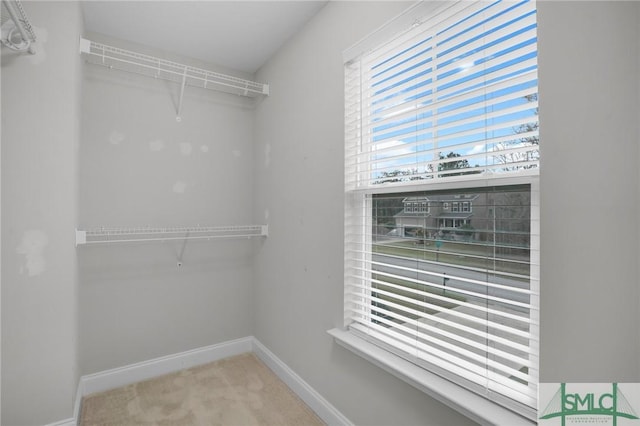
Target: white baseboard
<point>122,376</point>
<point>66,422</point>
<point>325,410</point>
<point>117,377</point>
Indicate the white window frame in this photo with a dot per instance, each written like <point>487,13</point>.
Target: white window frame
<point>357,206</point>
<point>453,392</point>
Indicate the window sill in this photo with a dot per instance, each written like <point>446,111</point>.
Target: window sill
<point>456,397</point>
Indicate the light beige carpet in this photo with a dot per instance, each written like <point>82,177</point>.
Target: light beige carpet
<point>240,390</point>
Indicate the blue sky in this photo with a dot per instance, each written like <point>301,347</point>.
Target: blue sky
<point>407,104</point>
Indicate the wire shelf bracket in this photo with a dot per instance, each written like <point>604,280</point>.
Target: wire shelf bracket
<point>149,234</point>
<point>184,75</point>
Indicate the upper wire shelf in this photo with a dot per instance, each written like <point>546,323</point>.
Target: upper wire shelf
<point>161,68</point>
<point>185,75</point>
<point>145,234</point>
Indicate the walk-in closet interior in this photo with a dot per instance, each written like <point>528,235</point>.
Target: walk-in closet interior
<point>172,193</point>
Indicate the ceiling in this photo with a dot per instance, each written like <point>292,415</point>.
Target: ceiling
<point>240,35</point>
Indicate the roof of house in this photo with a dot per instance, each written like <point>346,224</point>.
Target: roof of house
<point>415,198</point>
<point>441,198</point>
<point>449,198</point>
<point>465,215</point>
<point>417,214</point>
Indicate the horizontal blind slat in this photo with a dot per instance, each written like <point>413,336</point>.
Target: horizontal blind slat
<point>470,370</point>
<point>458,344</point>
<point>408,81</point>
<point>416,120</point>
<point>356,250</point>
<point>487,310</point>
<point>469,317</point>
<point>356,298</point>
<point>451,276</point>
<point>392,109</point>
<point>517,391</point>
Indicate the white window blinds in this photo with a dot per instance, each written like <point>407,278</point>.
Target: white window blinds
<point>453,98</point>
<point>441,217</point>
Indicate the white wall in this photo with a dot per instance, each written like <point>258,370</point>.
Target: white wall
<point>286,169</point>
<point>299,186</point>
<point>589,114</point>
<point>40,120</point>
<point>138,167</point>
<point>589,131</point>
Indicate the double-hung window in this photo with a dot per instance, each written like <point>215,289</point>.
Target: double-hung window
<point>447,111</point>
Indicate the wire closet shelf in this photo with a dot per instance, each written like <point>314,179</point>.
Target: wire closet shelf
<point>126,60</point>
<point>150,234</point>
<point>158,68</point>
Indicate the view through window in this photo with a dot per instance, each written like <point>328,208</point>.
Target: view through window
<point>441,222</point>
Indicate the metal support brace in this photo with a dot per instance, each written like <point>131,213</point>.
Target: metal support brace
<point>184,83</point>
<point>184,245</point>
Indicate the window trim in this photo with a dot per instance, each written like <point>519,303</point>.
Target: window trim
<point>456,397</point>
<point>419,14</point>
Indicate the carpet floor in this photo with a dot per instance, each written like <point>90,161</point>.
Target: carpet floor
<point>239,390</point>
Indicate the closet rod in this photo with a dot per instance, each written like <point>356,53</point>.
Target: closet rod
<point>150,66</point>
<point>147,234</point>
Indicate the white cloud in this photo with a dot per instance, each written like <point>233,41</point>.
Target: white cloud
<point>477,149</point>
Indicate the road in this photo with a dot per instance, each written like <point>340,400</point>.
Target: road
<point>452,283</point>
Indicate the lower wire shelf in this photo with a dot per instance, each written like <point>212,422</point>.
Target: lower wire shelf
<point>146,234</point>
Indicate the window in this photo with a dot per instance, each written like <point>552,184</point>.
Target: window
<point>448,110</point>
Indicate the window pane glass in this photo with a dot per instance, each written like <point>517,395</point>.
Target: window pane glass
<point>457,282</point>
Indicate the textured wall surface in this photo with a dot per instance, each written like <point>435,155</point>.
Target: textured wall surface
<point>299,185</point>
<point>589,139</point>
<point>40,124</point>
<point>139,166</point>
<point>85,146</point>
